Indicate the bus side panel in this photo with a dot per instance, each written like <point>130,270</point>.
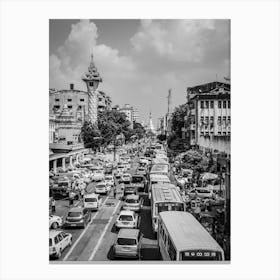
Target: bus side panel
<point>162,249</point>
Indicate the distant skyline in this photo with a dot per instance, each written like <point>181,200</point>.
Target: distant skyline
<point>140,60</point>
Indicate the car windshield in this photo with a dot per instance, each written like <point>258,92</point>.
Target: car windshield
<point>108,178</point>
<point>126,182</point>
<point>50,242</point>
<point>100,186</point>
<point>131,201</point>
<point>74,214</point>
<point>137,179</point>
<point>126,241</point>
<point>126,218</point>
<point>90,199</point>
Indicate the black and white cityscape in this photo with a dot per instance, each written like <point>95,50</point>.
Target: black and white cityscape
<point>139,140</point>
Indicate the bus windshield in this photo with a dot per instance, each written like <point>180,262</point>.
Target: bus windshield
<point>200,255</point>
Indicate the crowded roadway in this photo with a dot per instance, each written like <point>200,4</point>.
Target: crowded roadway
<point>104,208</point>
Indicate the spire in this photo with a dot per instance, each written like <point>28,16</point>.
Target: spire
<point>92,73</point>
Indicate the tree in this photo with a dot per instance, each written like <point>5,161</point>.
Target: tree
<point>177,119</point>
<point>91,135</point>
<point>138,130</point>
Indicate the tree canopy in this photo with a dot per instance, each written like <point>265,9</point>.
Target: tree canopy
<point>111,123</point>
<point>177,119</point>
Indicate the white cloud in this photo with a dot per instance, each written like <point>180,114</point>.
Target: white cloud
<point>175,40</point>
<point>71,59</point>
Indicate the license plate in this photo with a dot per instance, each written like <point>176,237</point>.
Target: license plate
<point>72,225</point>
<point>125,223</point>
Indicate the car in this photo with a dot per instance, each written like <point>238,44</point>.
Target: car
<point>139,181</point>
<point>129,189</point>
<point>98,175</point>
<point>55,221</point>
<point>58,241</point>
<point>126,177</point>
<point>128,243</point>
<point>127,219</point>
<point>92,201</point>
<point>141,171</point>
<point>132,202</point>
<point>77,217</point>
<point>109,180</point>
<point>102,188</point>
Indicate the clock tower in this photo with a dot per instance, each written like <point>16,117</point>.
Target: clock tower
<point>92,80</point>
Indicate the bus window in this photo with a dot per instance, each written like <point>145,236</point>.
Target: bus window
<point>171,250</point>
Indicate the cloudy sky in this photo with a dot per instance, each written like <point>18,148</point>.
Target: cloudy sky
<point>139,60</point>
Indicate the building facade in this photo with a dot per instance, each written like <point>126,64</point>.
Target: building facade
<point>208,122</point>
<point>136,115</point>
<point>128,111</point>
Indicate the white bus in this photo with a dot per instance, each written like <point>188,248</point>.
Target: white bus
<point>162,169</point>
<point>164,197</point>
<point>182,238</point>
<point>157,179</point>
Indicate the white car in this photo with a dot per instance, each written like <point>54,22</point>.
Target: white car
<point>58,241</point>
<point>109,180</point>
<point>101,188</point>
<point>126,177</point>
<point>55,221</point>
<point>98,175</point>
<point>127,219</point>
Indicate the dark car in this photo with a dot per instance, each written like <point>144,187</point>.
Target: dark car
<point>129,189</point>
<point>77,217</point>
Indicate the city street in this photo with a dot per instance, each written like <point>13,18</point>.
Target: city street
<point>94,243</point>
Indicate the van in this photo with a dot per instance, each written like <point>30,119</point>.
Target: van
<point>92,201</point>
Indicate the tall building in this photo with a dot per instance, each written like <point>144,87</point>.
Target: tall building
<point>151,127</point>
<point>136,116</point>
<point>92,80</point>
<point>208,122</point>
<point>128,111</point>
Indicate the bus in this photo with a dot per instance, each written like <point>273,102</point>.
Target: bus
<point>182,238</point>
<point>162,169</point>
<point>158,179</point>
<point>164,197</point>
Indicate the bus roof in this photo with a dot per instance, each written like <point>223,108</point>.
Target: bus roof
<point>159,168</point>
<point>187,233</point>
<point>159,177</point>
<point>165,193</point>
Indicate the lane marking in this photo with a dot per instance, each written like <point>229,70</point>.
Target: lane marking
<point>83,232</point>
<point>103,233</point>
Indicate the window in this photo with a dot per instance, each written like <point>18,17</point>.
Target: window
<point>202,104</point>
<point>219,120</point>
<point>57,100</point>
<point>211,104</point>
<point>219,132</point>
<point>56,106</point>
<point>171,250</point>
<point>229,104</point>
<point>224,118</point>
<point>56,240</point>
<point>224,104</point>
<point>82,99</point>
<point>206,104</point>
<point>69,100</point>
<point>212,118</point>
<point>70,106</point>
<point>91,84</point>
<point>224,133</point>
<point>219,104</point>
<point>99,99</point>
<point>79,107</point>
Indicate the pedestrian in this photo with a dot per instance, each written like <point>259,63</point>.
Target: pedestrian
<point>53,205</point>
<point>115,191</point>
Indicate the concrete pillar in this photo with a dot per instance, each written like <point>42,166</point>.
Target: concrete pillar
<point>54,165</point>
<point>63,164</point>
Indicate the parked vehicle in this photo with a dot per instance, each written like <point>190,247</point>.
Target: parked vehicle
<point>128,243</point>
<point>200,192</point>
<point>77,217</point>
<point>58,241</point>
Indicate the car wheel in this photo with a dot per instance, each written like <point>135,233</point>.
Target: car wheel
<point>55,225</point>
